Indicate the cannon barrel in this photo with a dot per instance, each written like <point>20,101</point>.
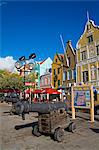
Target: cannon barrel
<point>25,107</point>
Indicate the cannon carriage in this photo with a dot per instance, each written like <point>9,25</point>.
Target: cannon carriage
<point>53,118</point>
<point>53,123</point>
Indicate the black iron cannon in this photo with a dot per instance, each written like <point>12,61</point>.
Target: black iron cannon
<point>23,107</point>
<point>52,118</point>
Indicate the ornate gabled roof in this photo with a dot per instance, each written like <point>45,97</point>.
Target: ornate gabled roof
<point>60,56</point>
<point>70,45</point>
<point>93,24</point>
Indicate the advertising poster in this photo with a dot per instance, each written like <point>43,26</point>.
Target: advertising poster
<point>82,98</point>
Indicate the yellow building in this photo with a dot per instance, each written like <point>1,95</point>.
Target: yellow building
<point>87,68</point>
<point>57,70</point>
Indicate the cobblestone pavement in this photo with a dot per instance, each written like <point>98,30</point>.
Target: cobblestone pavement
<point>16,134</point>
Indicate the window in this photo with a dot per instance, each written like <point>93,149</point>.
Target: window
<point>75,74</point>
<point>84,55</point>
<point>64,75</point>
<point>97,48</point>
<point>69,75</point>
<point>88,26</point>
<point>56,60</point>
<point>58,70</point>
<point>90,39</point>
<point>42,81</point>
<point>85,76</point>
<point>58,82</point>
<point>50,70</point>
<point>49,80</point>
<point>54,71</point>
<point>54,83</point>
<point>46,81</point>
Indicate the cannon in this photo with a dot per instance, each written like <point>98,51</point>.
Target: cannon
<point>52,118</point>
<point>23,107</point>
<point>13,111</point>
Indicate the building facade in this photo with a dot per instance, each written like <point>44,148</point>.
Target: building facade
<point>88,56</point>
<point>45,80</point>
<point>57,70</point>
<point>44,65</point>
<point>69,69</point>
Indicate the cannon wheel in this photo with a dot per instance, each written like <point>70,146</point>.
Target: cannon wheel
<point>72,127</point>
<point>58,134</point>
<point>36,130</point>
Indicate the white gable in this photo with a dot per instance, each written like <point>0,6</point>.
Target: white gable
<point>47,64</point>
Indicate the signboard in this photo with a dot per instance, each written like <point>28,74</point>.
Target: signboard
<point>82,97</point>
<point>29,83</point>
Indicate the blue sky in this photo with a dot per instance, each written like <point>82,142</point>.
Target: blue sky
<point>28,26</point>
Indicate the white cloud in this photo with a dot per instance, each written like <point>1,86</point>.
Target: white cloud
<point>7,63</point>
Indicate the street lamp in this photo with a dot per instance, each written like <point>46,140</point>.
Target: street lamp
<point>19,65</point>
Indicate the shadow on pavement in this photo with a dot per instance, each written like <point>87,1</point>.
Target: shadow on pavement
<point>82,117</point>
<point>95,130</point>
<point>6,112</point>
<point>18,127</point>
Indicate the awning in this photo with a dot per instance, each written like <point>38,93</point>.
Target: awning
<point>27,91</point>
<point>50,91</point>
<point>37,91</point>
<point>43,91</point>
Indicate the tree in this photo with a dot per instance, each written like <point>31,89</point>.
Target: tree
<point>10,80</point>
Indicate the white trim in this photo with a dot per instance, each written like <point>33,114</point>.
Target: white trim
<point>87,52</point>
<point>71,48</point>
<point>89,72</point>
<point>76,73</point>
<point>77,56</point>
<point>72,74</point>
<point>67,75</point>
<point>97,71</point>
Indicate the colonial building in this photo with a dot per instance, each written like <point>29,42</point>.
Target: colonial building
<point>45,80</point>
<point>88,55</point>
<point>69,69</point>
<point>44,65</point>
<point>57,70</point>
